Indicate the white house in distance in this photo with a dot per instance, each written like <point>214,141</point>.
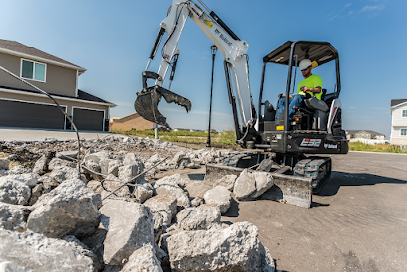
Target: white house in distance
<point>398,134</point>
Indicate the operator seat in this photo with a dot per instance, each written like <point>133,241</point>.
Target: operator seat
<point>320,109</point>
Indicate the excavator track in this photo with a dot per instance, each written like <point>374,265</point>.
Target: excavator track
<point>316,168</point>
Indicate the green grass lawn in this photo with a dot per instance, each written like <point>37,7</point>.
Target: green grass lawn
<point>359,146</point>
<point>227,137</point>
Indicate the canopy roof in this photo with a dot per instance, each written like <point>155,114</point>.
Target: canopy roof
<point>321,52</point>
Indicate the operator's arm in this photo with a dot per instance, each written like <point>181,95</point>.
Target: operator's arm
<point>312,90</point>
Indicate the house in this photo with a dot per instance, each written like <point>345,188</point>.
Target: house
<point>357,135</point>
<point>23,106</point>
<point>129,122</point>
<point>398,134</point>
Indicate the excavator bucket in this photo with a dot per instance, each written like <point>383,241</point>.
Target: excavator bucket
<point>287,189</point>
<point>147,101</point>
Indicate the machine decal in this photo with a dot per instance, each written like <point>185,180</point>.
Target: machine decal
<point>280,128</point>
<point>311,142</point>
<point>332,146</point>
<point>209,24</point>
<point>223,38</point>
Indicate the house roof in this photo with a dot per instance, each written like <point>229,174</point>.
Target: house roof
<point>127,117</point>
<point>16,48</point>
<point>81,95</point>
<point>396,102</point>
<point>368,131</point>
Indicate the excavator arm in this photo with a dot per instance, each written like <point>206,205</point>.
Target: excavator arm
<point>235,62</point>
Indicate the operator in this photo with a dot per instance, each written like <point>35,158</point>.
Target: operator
<point>311,85</point>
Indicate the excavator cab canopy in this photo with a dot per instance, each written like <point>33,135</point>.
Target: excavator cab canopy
<point>320,52</point>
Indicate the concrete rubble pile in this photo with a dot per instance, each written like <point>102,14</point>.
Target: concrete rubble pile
<point>111,216</point>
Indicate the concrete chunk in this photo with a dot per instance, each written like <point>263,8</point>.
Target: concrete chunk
<point>219,196</point>
<point>39,253</point>
<point>235,248</point>
<point>245,185</point>
<point>71,208</point>
<point>14,217</point>
<point>13,191</point>
<point>129,225</point>
<point>143,259</point>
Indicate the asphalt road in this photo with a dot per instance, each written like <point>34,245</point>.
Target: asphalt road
<point>357,223</point>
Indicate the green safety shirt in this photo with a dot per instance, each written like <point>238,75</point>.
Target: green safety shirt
<point>311,82</point>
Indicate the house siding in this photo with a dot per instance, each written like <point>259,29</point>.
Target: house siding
<point>44,99</point>
<point>59,80</point>
<point>397,119</point>
<point>398,123</point>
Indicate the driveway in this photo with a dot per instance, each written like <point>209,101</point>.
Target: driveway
<point>22,134</point>
<point>357,223</point>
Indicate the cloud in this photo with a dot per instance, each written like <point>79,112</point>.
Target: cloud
<point>340,13</point>
<point>346,6</point>
<point>372,8</point>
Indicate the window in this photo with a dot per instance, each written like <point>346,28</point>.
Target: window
<point>33,70</point>
<point>404,114</point>
<point>403,132</point>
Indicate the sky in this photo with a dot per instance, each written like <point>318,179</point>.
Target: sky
<point>113,40</point>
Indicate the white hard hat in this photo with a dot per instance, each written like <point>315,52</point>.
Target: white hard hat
<point>304,64</point>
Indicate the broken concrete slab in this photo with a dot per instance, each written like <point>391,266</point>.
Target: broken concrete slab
<point>13,191</point>
<point>227,181</point>
<point>128,172</point>
<point>235,248</point>
<point>201,218</point>
<point>71,208</point>
<point>175,179</point>
<point>29,179</point>
<point>14,217</point>
<point>264,181</point>
<point>41,165</point>
<point>55,162</point>
<point>61,173</point>
<point>131,159</point>
<point>143,259</point>
<point>8,266</point>
<point>245,185</point>
<point>219,196</point>
<point>129,225</point>
<point>98,156</point>
<point>163,208</point>
<point>42,253</point>
<point>142,191</point>
<point>84,250</point>
<point>110,166</point>
<point>111,183</point>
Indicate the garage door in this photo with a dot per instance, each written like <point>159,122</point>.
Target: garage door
<point>30,115</point>
<point>86,119</point>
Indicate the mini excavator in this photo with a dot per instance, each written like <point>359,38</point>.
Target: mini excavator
<point>285,148</point>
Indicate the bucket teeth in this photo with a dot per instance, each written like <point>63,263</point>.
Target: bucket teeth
<point>146,104</point>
